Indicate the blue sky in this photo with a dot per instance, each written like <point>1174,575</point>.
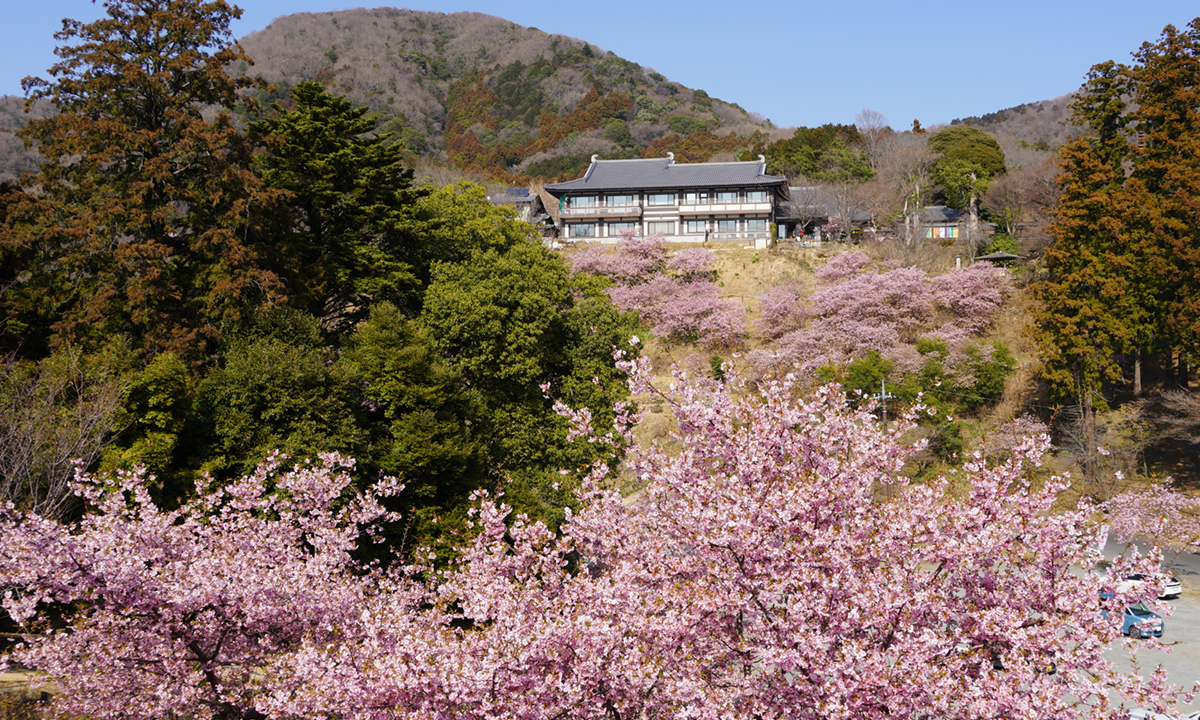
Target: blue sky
<point>796,62</point>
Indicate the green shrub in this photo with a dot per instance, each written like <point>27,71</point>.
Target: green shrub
<point>1002,243</point>
<point>686,124</point>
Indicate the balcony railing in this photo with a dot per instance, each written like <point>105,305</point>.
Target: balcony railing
<point>683,204</point>
<point>713,200</point>
<point>685,237</point>
<point>744,206</point>
<point>602,209</point>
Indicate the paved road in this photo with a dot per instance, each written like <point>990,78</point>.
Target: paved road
<point>1181,630</point>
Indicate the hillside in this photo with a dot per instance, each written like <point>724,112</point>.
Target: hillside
<point>487,94</point>
<point>1044,123</point>
<point>15,158</point>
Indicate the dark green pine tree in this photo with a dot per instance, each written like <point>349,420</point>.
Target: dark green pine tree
<point>343,242</point>
<point>1166,161</point>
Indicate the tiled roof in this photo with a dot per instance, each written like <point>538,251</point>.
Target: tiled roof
<point>942,214</point>
<point>666,174</point>
<point>812,202</point>
<point>513,196</point>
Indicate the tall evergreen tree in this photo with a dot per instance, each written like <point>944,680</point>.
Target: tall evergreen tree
<point>147,212</point>
<point>1166,160</point>
<point>1101,105</point>
<point>1084,311</point>
<point>1123,272</point>
<point>343,242</point>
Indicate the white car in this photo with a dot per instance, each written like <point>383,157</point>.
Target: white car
<point>1172,588</point>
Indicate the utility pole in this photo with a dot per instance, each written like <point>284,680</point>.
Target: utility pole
<point>882,397</point>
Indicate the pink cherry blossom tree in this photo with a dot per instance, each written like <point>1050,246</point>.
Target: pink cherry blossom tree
<point>176,612</point>
<point>677,298</point>
<point>832,227</point>
<point>858,308</point>
<point>755,574</point>
<point>1161,514</point>
<point>691,264</point>
<point>843,265</point>
<point>634,261</point>
<point>781,311</point>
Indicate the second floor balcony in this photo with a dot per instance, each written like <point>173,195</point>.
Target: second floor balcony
<point>603,209</point>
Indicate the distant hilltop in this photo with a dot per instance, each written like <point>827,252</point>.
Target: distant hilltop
<point>484,94</point>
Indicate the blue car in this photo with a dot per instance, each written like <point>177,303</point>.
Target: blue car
<point>1138,621</point>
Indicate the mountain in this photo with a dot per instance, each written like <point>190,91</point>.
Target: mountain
<point>490,95</point>
<point>486,95</point>
<point>1043,123</point>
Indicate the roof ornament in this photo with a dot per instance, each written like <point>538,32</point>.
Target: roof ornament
<point>671,155</point>
<point>762,164</point>
<point>591,167</point>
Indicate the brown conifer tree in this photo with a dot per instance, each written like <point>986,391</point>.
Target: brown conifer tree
<point>147,208</point>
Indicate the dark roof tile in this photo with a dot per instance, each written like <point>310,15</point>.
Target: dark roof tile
<point>666,174</point>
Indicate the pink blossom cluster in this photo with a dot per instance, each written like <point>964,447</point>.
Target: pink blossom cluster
<point>756,575</point>
<point>692,264</point>
<point>999,441</point>
<point>635,260</point>
<point>781,311</point>
<point>857,309</point>
<point>677,298</point>
<point>843,265</point>
<point>177,612</point>
<point>1161,514</point>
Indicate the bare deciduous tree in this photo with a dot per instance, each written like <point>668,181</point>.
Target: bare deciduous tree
<point>1112,447</point>
<point>908,166</point>
<point>809,204</point>
<point>873,127</point>
<point>52,415</point>
<point>1025,194</point>
<point>1179,411</point>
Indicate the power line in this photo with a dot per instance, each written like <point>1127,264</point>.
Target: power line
<point>1051,408</point>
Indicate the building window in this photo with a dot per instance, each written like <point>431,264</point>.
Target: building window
<point>726,198</point>
<point>947,233</point>
<point>756,196</point>
<point>660,199</point>
<point>581,230</point>
<point>663,228</point>
<point>756,225</point>
<point>620,200</point>
<point>616,228</point>
<point>727,226</point>
<point>696,227</point>
<point>583,201</point>
<point>695,198</point>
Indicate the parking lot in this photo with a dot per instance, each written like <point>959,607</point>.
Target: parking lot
<point>1181,631</point>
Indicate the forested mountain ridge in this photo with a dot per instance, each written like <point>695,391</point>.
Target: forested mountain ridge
<point>1045,123</point>
<point>490,95</point>
<point>477,92</point>
<point>484,94</point>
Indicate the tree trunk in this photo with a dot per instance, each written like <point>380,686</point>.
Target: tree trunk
<point>1168,363</point>
<point>1090,477</point>
<point>973,227</point>
<point>1137,374</point>
<point>1183,372</point>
